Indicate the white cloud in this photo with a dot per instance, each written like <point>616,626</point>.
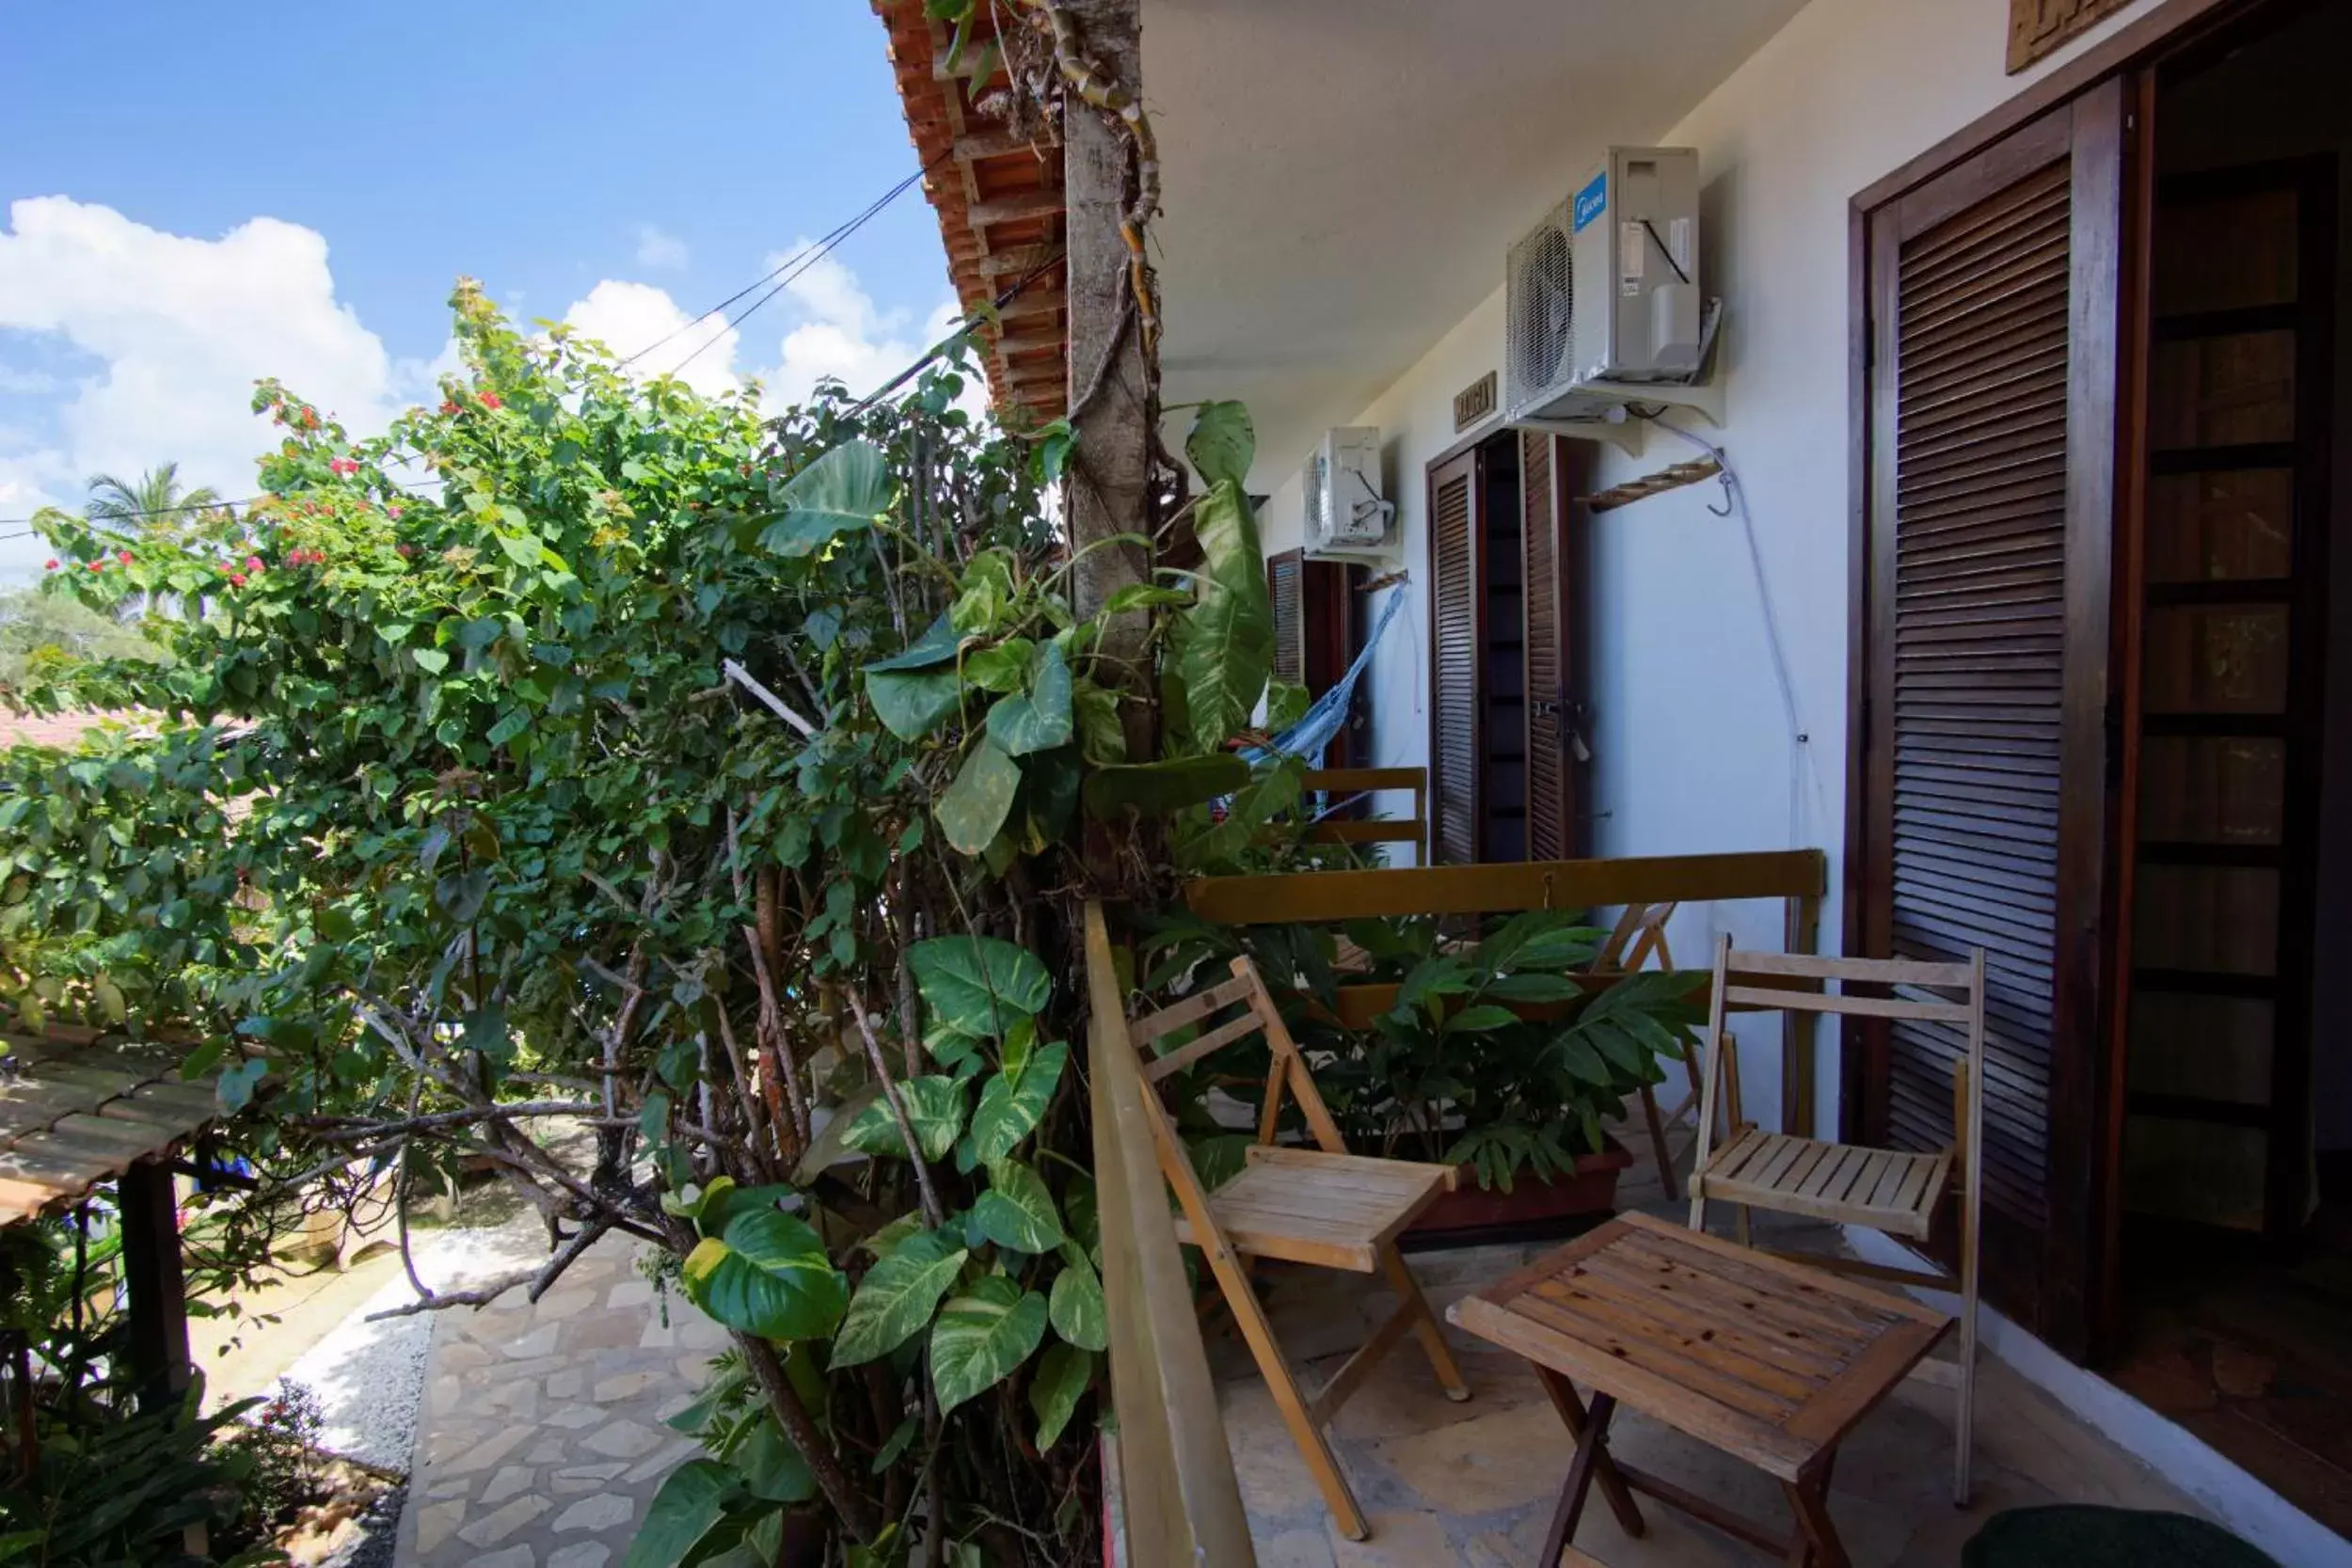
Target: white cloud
<point>631,317</point>
<point>838,333</point>
<point>658,249</point>
<point>180,327</point>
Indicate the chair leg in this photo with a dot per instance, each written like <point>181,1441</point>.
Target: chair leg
<point>1313,1447</point>
<point>1741,1227</point>
<point>1658,1146</point>
<point>1426,1324</point>
<point>1964,1411</point>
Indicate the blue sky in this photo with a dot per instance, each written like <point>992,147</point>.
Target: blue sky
<point>191,196</point>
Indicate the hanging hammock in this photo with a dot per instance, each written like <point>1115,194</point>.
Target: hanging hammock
<point>1312,733</point>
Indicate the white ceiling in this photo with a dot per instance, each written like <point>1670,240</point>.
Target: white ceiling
<point>1342,177</point>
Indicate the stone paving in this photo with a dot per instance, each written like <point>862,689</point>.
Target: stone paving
<point>542,1437</point>
<point>1474,1484</point>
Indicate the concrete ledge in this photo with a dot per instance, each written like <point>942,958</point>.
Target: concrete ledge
<point>2234,1496</point>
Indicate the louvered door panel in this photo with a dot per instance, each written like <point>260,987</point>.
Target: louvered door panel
<point>1983,809</point>
<point>1284,584</point>
<point>1547,781</point>
<point>1456,720</point>
<point>1979,655</point>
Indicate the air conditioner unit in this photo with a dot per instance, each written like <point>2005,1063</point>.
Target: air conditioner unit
<point>1603,294</point>
<point>1346,511</point>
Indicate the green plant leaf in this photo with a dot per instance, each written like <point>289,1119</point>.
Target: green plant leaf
<point>981,1336</point>
<point>1224,644</point>
<point>1017,1212</point>
<point>773,1468</point>
<point>911,702</point>
<point>1223,444</point>
<point>1534,988</point>
<point>1157,788</point>
<point>1477,1020</point>
<point>1076,1305</point>
<point>978,986</point>
<point>847,489</point>
<point>1063,1374</point>
<point>1011,1107</point>
<point>768,1275</point>
<point>1039,720</point>
<point>975,805</point>
<point>1101,741</point>
<point>934,1106</point>
<point>937,645</point>
<point>692,1500</point>
<point>896,1298</point>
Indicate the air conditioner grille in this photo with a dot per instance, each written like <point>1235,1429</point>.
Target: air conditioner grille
<point>1538,304</point>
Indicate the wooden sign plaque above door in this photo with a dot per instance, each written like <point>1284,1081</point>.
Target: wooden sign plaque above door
<point>2038,26</point>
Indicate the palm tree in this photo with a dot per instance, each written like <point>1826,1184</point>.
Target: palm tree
<point>153,507</point>
<point>153,504</point>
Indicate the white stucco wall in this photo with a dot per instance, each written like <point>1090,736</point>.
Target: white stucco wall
<point>1691,750</point>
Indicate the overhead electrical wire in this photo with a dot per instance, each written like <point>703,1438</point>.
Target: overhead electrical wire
<point>963,324</point>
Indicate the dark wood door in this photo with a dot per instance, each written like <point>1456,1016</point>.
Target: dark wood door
<point>1983,789</point>
<point>2230,647</point>
<point>1554,705</point>
<point>1457,687</point>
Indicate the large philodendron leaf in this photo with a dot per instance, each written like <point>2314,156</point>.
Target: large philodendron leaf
<point>1011,1105</point>
<point>1223,443</point>
<point>974,808</point>
<point>1017,1212</point>
<point>845,489</point>
<point>1076,1305</point>
<point>915,690</point>
<point>934,1106</point>
<point>981,1336</point>
<point>692,1500</point>
<point>978,986</point>
<point>767,1274</point>
<point>1224,644</point>
<point>1063,1373</point>
<point>1170,785</point>
<point>896,1298</point>
<point>1040,718</point>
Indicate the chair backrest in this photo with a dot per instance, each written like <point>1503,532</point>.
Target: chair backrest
<point>1252,1011</point>
<point>1905,979</point>
<point>1640,935</point>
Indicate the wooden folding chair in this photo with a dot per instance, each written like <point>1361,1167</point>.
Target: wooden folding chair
<point>1893,1191</point>
<point>1640,936</point>
<point>1320,1206</point>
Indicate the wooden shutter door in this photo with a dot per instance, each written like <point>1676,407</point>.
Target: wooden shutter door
<point>1551,704</point>
<point>1993,332</point>
<point>1285,577</point>
<point>1457,688</point>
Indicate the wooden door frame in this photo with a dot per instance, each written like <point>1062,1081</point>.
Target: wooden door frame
<point>2125,61</point>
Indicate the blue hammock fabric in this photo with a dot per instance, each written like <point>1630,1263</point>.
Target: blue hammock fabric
<point>1312,733</point>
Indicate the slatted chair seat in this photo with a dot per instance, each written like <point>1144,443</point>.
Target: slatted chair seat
<point>1321,1205</point>
<point>1898,1192</point>
<point>1885,1188</point>
<point>1332,1210</point>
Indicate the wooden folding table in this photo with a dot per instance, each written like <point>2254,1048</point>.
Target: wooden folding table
<point>1766,1360</point>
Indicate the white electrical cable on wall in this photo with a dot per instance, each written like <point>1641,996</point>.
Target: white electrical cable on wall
<point>1800,739</point>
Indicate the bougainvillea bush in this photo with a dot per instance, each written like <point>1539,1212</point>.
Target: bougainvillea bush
<point>584,754</point>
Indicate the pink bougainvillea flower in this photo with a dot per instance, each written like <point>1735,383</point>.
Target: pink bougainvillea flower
<point>343,466</point>
<point>392,512</point>
<point>53,565</point>
<point>491,400</point>
<point>407,552</point>
<point>236,579</point>
<point>97,565</point>
<point>252,563</point>
<point>448,407</point>
<point>123,556</point>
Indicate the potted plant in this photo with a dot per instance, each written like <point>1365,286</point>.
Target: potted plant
<point>1501,1055</point>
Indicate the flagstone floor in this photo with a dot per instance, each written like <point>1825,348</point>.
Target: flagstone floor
<point>542,1438</point>
<point>1474,1484</point>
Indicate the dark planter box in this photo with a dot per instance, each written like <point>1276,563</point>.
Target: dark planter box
<point>1532,1210</point>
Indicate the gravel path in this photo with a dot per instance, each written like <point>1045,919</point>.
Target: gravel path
<point>370,1376</point>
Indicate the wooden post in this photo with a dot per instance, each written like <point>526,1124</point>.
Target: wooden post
<point>158,1351</point>
<point>1114,406</point>
<point>1803,935</point>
